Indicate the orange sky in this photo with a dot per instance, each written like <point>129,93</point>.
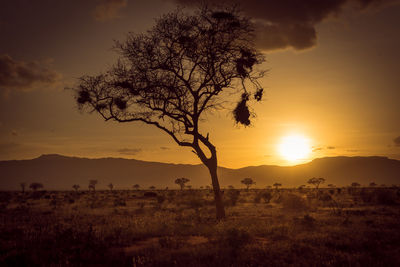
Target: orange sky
<point>341,92</point>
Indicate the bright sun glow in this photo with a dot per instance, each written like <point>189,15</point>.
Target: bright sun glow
<point>294,148</point>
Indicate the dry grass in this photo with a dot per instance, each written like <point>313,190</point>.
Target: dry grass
<point>263,228</point>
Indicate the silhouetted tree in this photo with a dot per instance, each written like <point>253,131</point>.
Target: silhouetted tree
<point>276,185</point>
<point>355,184</point>
<point>231,187</point>
<point>173,75</point>
<point>331,185</point>
<point>152,187</point>
<point>111,186</point>
<point>316,182</point>
<point>136,187</point>
<point>92,185</point>
<point>35,186</point>
<point>23,185</point>
<point>181,182</point>
<point>76,187</point>
<point>248,182</point>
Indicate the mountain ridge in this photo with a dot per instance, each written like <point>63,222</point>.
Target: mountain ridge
<point>59,172</point>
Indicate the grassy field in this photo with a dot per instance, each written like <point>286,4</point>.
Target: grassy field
<point>300,227</point>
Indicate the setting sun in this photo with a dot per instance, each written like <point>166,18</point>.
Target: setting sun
<point>294,147</point>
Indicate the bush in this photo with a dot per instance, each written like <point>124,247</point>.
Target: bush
<point>160,199</point>
<point>232,197</point>
<point>294,203</point>
<point>119,202</point>
<point>267,196</point>
<point>234,238</point>
<point>386,197</point>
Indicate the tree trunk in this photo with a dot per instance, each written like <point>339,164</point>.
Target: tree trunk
<point>219,205</point>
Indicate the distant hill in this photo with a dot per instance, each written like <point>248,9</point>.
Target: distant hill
<point>61,172</point>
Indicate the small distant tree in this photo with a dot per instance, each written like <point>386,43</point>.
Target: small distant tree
<point>92,185</point>
<point>355,184</point>
<point>111,186</point>
<point>181,182</point>
<point>189,187</point>
<point>136,186</point>
<point>231,187</point>
<point>23,185</point>
<point>316,182</point>
<point>76,187</point>
<point>152,187</point>
<point>372,184</point>
<point>277,185</point>
<point>331,185</point>
<point>35,186</point>
<point>248,182</point>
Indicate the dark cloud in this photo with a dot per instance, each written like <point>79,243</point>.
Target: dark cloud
<point>129,151</point>
<point>353,150</point>
<point>397,141</point>
<point>109,9</point>
<point>316,149</point>
<point>164,148</point>
<point>24,76</point>
<point>291,23</point>
<point>330,147</point>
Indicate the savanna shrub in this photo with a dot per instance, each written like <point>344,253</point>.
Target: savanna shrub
<point>235,238</point>
<point>257,198</point>
<point>160,199</point>
<point>294,202</point>
<point>308,221</point>
<point>325,198</point>
<point>232,197</point>
<point>266,196</point>
<point>386,197</point>
<point>367,196</point>
<point>119,202</point>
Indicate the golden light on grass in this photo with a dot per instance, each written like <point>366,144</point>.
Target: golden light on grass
<point>294,148</point>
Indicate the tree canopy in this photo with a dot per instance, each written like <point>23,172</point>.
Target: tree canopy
<point>181,182</point>
<point>187,65</point>
<point>248,182</point>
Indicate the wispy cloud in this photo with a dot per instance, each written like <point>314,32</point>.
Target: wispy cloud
<point>109,9</point>
<point>315,149</point>
<point>25,76</point>
<point>129,151</point>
